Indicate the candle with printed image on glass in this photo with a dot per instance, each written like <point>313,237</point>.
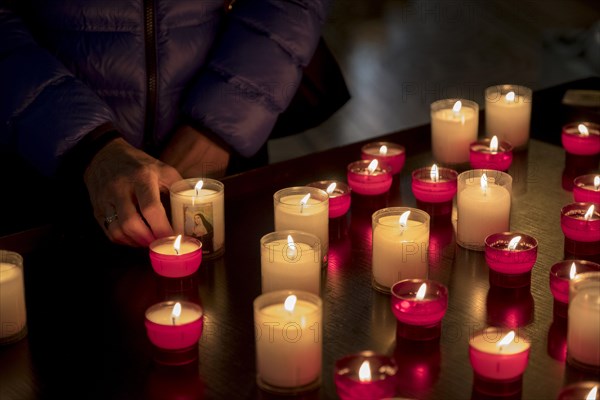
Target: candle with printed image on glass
<point>508,114</point>
<point>454,124</point>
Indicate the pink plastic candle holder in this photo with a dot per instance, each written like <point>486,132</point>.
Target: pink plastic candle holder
<point>171,263</point>
<point>339,198</point>
<point>382,381</point>
<point>427,188</point>
<point>576,142</point>
<point>174,335</point>
<point>419,319</point>
<point>561,274</point>
<point>580,391</point>
<point>481,156</point>
<point>498,367</point>
<point>362,181</point>
<point>576,227</point>
<point>393,154</point>
<point>586,188</point>
<point>510,267</point>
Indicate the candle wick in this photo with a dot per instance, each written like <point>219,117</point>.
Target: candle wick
<point>176,251</point>
<point>301,207</point>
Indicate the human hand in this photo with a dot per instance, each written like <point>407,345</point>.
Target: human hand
<point>124,185</point>
<point>195,154</point>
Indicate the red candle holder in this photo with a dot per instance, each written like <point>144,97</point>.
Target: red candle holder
<point>586,189</point>
<point>431,187</point>
<point>580,391</point>
<point>171,261</point>
<point>369,182</point>
<point>392,154</point>
<point>576,226</point>
<point>419,365</point>
<point>419,306</point>
<point>561,274</point>
<point>510,265</point>
<point>339,196</point>
<point>174,330</point>
<point>351,381</point>
<point>482,155</point>
<point>581,140</point>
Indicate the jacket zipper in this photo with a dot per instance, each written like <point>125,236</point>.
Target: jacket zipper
<point>151,75</point>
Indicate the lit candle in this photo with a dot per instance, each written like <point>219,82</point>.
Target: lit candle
<point>365,376</point>
<point>434,184</point>
<point>305,209</point>
<point>391,153</point>
<point>508,113</point>
<point>339,196</point>
<point>400,243</point>
<point>176,257</point>
<point>421,303</point>
<point>290,260</point>
<point>498,356</point>
<point>586,390</point>
<point>580,222</point>
<point>511,257</point>
<point>581,138</point>
<point>197,210</point>
<point>561,274</point>
<point>483,206</point>
<point>586,188</point>
<point>491,154</point>
<point>13,316</point>
<point>583,335</point>
<point>454,125</point>
<point>174,325</point>
<point>369,177</point>
<point>288,332</point>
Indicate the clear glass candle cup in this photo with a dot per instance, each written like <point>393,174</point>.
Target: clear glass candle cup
<point>13,315</point>
<point>508,116</point>
<point>454,126</point>
<point>583,335</point>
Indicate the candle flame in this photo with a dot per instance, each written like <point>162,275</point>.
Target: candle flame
<point>176,312</point>
<point>304,200</point>
<point>404,219</point>
<point>383,150</point>
<point>592,394</point>
<point>457,106</point>
<point>331,188</point>
<point>483,182</point>
<point>434,174</point>
<point>494,143</point>
<point>590,212</point>
<point>364,372</point>
<point>421,292</point>
<point>583,130</point>
<point>198,186</point>
<point>372,166</point>
<point>506,340</point>
<point>290,303</point>
<point>597,182</point>
<point>177,244</point>
<point>510,97</point>
<point>291,250</point>
<point>514,242</point>
<point>572,271</point>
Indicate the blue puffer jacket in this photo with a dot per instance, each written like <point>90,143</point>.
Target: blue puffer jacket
<point>70,66</point>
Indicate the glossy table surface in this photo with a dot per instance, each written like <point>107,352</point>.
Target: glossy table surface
<point>86,298</point>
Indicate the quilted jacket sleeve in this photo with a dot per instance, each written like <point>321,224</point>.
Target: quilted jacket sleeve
<point>255,69</point>
<point>44,109</point>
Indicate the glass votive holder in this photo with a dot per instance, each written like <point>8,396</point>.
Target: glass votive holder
<point>583,335</point>
<point>174,328</point>
<point>369,177</point>
<point>586,188</point>
<point>487,154</point>
<point>290,259</point>
<point>508,113</point>
<point>419,305</point>
<point>175,256</point>
<point>13,315</point>
<point>434,184</point>
<point>581,222</point>
<point>483,206</point>
<point>390,153</point>
<point>454,125</point>
<point>582,138</point>
<point>585,390</point>
<point>400,246</point>
<point>198,211</point>
<point>288,332</point>
<point>339,196</point>
<point>365,376</point>
<point>561,274</point>
<point>510,256</point>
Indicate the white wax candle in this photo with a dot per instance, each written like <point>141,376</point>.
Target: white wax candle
<point>583,336</point>
<point>452,133</point>
<point>294,268</point>
<point>288,344</point>
<point>508,119</point>
<point>12,300</point>
<point>399,254</point>
<point>312,217</point>
<point>164,315</point>
<point>489,344</point>
<point>168,249</point>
